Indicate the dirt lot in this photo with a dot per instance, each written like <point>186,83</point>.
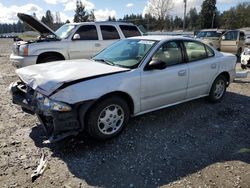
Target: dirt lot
<point>196,144</point>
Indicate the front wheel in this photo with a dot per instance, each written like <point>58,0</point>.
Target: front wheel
<point>107,118</point>
<point>218,89</point>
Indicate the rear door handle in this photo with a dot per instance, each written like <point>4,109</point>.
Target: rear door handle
<point>97,44</point>
<point>213,66</point>
<point>182,73</point>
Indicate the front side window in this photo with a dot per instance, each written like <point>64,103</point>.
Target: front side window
<point>130,30</point>
<point>87,32</point>
<point>64,31</point>
<point>195,50</point>
<point>109,32</point>
<point>231,35</point>
<point>125,53</point>
<point>169,53</point>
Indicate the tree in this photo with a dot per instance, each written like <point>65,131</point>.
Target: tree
<point>208,14</point>
<point>91,16</point>
<point>192,19</point>
<point>67,21</point>
<point>160,10</point>
<point>48,19</point>
<point>81,15</point>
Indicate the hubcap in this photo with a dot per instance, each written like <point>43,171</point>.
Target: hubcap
<point>110,119</point>
<point>219,89</point>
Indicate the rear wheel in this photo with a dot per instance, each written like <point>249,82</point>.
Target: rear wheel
<point>218,89</point>
<point>107,118</point>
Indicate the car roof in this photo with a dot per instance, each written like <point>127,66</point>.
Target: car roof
<point>161,37</point>
<point>101,23</point>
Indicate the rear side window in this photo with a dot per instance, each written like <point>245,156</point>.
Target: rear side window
<point>109,32</point>
<point>87,32</point>
<point>242,36</point>
<point>130,30</point>
<point>195,50</point>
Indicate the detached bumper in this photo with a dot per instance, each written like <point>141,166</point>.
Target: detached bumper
<point>57,124</point>
<point>21,61</point>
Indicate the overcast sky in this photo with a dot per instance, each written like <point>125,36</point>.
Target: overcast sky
<point>102,8</point>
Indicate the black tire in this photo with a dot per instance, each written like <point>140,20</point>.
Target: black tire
<point>114,124</point>
<point>244,67</point>
<point>216,92</point>
<point>49,59</point>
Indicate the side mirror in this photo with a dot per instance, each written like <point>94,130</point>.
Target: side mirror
<point>223,38</point>
<point>156,64</point>
<point>76,37</point>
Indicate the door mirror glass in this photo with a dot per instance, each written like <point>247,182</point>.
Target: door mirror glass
<point>76,37</point>
<point>156,64</point>
<point>223,37</point>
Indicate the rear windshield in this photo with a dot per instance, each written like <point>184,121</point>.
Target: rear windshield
<point>130,30</point>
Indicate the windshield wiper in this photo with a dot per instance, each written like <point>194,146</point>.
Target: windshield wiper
<point>105,61</point>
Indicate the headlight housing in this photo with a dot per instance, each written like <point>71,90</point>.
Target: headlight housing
<point>23,50</point>
<point>46,103</point>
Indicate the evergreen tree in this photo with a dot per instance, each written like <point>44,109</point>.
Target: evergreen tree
<point>208,14</point>
<point>81,15</point>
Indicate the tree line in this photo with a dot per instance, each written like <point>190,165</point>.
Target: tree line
<point>209,17</point>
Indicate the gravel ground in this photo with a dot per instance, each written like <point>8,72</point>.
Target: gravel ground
<point>196,144</point>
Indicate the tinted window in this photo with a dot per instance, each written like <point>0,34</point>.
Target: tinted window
<point>195,50</point>
<point>130,31</point>
<point>208,34</point>
<point>231,35</point>
<point>109,32</point>
<point>242,36</point>
<point>87,32</point>
<point>170,53</point>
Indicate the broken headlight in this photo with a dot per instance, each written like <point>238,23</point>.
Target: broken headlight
<point>47,103</point>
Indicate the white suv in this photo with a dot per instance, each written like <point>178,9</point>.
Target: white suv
<point>71,41</point>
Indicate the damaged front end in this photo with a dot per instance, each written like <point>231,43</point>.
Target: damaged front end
<point>59,119</point>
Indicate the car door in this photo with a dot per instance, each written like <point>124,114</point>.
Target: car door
<point>109,35</point>
<point>85,44</point>
<point>202,68</point>
<point>167,86</point>
<point>229,42</point>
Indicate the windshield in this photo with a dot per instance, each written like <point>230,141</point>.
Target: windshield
<point>204,34</point>
<point>64,31</point>
<point>125,53</point>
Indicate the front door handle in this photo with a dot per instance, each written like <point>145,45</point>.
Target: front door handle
<point>213,66</point>
<point>182,73</point>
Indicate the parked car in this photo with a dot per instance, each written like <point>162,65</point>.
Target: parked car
<point>245,58</point>
<point>211,37</point>
<point>131,77</point>
<point>247,40</point>
<point>71,41</point>
<point>233,41</point>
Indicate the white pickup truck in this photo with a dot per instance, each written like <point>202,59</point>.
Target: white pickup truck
<point>71,41</point>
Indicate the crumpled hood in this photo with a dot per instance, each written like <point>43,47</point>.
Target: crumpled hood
<point>47,77</point>
<point>36,24</point>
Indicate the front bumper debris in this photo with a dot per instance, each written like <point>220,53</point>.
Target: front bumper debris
<point>58,125</point>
